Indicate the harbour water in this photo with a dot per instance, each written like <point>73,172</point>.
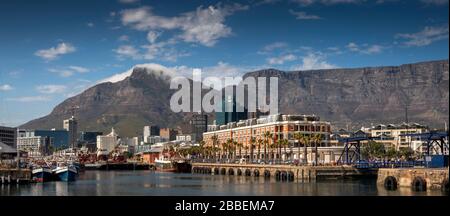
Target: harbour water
<point>150,183</point>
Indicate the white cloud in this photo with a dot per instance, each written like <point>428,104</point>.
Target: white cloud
<point>128,1</point>
<point>90,24</point>
<point>365,48</point>
<point>79,69</point>
<point>425,37</point>
<point>30,99</point>
<point>68,71</point>
<point>326,2</point>
<point>123,38</point>
<point>281,59</point>
<point>54,52</point>
<point>435,2</point>
<point>152,36</point>
<point>51,89</point>
<point>314,61</point>
<point>301,15</point>
<point>127,51</point>
<point>203,26</point>
<point>6,87</point>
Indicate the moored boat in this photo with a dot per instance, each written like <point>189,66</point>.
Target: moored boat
<point>42,174</point>
<point>164,165</point>
<point>65,173</point>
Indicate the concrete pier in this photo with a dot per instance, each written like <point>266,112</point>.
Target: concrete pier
<point>281,172</point>
<point>418,179</point>
<point>15,176</point>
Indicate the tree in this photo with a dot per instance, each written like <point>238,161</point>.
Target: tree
<point>406,153</point>
<point>316,138</point>
<point>267,136</point>
<point>373,150</point>
<point>252,146</point>
<point>239,145</point>
<point>284,143</point>
<point>302,139</point>
<point>214,139</point>
<point>260,141</point>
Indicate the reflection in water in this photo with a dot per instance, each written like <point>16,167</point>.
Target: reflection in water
<point>148,183</point>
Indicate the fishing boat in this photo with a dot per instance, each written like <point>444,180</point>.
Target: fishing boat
<point>65,173</point>
<point>164,165</point>
<point>42,174</point>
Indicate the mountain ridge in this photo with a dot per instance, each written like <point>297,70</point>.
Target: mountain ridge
<point>355,97</point>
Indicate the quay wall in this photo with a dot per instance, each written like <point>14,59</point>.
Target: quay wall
<point>288,172</point>
<point>9,176</point>
<point>418,179</point>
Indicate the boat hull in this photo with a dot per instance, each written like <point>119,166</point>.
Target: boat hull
<point>42,175</point>
<point>66,174</point>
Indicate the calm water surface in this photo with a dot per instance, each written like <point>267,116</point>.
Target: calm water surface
<point>150,183</point>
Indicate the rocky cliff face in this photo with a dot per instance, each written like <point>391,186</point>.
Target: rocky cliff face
<point>346,97</point>
<point>357,97</point>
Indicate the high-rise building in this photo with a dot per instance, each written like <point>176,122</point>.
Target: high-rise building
<point>8,136</point>
<point>168,134</point>
<point>230,112</point>
<point>151,130</point>
<point>108,142</point>
<point>199,125</point>
<point>71,125</point>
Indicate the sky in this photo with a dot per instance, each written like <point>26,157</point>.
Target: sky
<point>51,50</point>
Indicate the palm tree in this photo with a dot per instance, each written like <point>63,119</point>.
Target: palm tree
<point>202,149</point>
<point>230,147</point>
<point>260,141</point>
<point>214,139</point>
<point>246,149</point>
<point>267,135</point>
<point>316,138</point>
<point>239,145</point>
<point>302,138</point>
<point>284,143</point>
<point>252,145</point>
<point>223,150</point>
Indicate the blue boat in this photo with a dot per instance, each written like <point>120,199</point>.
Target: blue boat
<point>66,173</point>
<point>42,174</point>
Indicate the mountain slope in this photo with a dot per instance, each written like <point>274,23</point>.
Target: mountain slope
<point>346,97</point>
<point>362,96</point>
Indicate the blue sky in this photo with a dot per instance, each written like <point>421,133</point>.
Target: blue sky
<point>51,50</point>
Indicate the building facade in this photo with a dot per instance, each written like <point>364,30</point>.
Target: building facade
<point>394,135</point>
<point>199,125</point>
<point>150,130</point>
<point>230,111</point>
<point>8,136</point>
<point>280,126</point>
<point>35,145</point>
<point>168,134</point>
<point>71,125</point>
<point>107,143</point>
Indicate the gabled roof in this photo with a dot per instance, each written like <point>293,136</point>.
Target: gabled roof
<point>6,148</point>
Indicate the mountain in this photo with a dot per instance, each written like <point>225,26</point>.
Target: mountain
<point>345,97</point>
<point>364,96</point>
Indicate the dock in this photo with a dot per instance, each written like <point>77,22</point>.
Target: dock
<point>418,179</point>
<point>283,172</point>
<point>15,176</point>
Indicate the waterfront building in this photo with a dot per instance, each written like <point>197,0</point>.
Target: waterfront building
<point>393,135</point>
<point>71,125</point>
<point>89,139</point>
<point>8,136</point>
<point>168,134</point>
<point>107,143</point>
<point>199,125</point>
<point>7,152</point>
<point>229,111</point>
<point>150,130</point>
<point>35,145</point>
<point>279,125</point>
<point>184,138</point>
<point>60,137</point>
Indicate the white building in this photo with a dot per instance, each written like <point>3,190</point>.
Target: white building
<point>184,137</point>
<point>150,131</point>
<point>34,145</point>
<point>134,141</point>
<point>71,125</point>
<point>108,142</point>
